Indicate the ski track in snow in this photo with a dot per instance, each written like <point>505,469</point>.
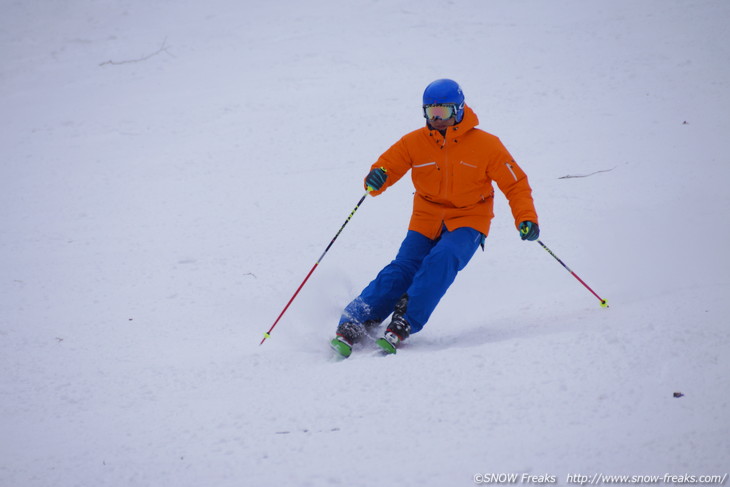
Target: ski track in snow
<point>158,212</point>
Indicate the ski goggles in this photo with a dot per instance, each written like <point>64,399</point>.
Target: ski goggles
<point>439,112</point>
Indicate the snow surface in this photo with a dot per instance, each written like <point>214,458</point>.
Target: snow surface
<point>171,170</point>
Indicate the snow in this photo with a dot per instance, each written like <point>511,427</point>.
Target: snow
<point>158,211</point>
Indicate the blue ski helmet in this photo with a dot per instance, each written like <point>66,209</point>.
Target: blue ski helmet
<point>442,92</point>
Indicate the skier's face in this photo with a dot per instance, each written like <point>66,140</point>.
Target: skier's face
<point>442,124</point>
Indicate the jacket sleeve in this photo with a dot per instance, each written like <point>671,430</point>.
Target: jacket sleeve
<point>396,161</point>
<point>512,181</point>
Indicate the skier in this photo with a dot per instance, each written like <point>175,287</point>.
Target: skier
<point>452,165</point>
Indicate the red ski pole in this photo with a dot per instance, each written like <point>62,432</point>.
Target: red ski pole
<point>268,333</point>
<point>604,303</point>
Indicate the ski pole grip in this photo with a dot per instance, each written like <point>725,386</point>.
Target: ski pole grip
<point>370,188</point>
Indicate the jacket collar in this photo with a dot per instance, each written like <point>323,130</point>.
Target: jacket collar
<point>468,122</point>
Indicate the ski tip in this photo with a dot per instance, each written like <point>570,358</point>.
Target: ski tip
<point>386,346</point>
<point>340,347</point>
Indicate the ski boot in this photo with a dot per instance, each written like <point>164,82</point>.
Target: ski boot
<point>347,335</point>
<point>397,331</point>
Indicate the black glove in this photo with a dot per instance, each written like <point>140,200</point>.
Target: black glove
<point>529,231</point>
<point>375,179</point>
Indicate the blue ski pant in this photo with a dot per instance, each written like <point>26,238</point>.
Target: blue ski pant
<point>424,269</point>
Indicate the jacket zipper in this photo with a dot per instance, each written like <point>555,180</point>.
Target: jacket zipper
<point>448,172</point>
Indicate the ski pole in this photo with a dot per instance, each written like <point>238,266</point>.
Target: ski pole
<point>604,303</point>
<point>268,333</point>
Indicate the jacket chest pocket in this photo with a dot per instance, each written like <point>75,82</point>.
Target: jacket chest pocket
<point>427,178</point>
<point>470,182</point>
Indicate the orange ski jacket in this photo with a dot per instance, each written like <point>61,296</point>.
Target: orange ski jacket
<point>453,177</point>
